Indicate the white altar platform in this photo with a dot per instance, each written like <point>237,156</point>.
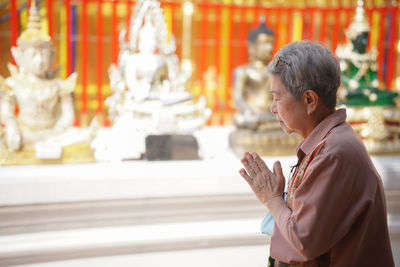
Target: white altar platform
<point>142,179</point>
<point>141,213</point>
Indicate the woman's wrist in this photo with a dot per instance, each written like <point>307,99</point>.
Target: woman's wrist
<point>275,203</point>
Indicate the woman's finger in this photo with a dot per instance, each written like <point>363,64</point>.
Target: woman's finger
<point>260,163</point>
<point>246,165</point>
<point>255,169</point>
<point>248,179</point>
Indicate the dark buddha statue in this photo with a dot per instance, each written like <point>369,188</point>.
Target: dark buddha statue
<point>371,108</point>
<point>361,86</point>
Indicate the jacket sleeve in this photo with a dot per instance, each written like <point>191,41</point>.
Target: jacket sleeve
<point>323,210</point>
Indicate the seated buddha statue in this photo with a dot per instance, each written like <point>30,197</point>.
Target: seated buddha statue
<point>35,105</point>
<point>251,81</point>
<point>148,86</point>
<point>256,127</point>
<point>371,107</point>
<point>359,67</point>
<point>146,72</point>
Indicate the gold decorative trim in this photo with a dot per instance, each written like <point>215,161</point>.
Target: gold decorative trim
<point>79,153</point>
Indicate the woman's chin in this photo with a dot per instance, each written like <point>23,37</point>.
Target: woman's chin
<point>288,131</point>
<point>285,128</point>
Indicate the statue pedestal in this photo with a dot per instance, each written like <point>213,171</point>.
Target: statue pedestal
<point>271,143</point>
<point>171,147</point>
<point>378,127</point>
<point>44,150</point>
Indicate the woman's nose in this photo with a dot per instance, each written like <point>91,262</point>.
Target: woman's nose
<point>272,108</point>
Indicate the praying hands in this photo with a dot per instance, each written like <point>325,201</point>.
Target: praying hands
<point>267,185</point>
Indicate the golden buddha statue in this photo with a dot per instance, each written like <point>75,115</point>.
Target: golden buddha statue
<point>256,127</point>
<point>149,93</point>
<point>371,108</point>
<point>251,83</point>
<point>44,103</point>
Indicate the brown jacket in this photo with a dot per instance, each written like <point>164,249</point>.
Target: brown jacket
<point>338,216</point>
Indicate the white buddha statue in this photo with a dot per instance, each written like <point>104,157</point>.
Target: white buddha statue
<point>148,82</point>
<point>149,95</point>
<point>44,103</point>
<point>146,73</point>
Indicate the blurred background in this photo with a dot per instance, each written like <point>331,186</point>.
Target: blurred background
<point>85,34</point>
<point>167,213</point>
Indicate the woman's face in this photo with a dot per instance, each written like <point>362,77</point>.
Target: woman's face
<point>290,112</point>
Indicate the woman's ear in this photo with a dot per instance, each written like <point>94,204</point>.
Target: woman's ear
<point>310,99</point>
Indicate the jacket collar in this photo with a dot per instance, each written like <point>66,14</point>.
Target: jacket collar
<point>320,131</point>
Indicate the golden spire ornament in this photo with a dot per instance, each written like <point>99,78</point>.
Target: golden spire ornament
<point>34,32</point>
<point>360,22</point>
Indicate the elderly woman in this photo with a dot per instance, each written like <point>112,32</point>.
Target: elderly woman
<point>334,212</point>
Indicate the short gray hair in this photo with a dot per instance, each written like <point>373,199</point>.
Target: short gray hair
<point>303,66</point>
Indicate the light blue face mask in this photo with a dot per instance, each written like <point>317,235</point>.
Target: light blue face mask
<point>267,224</point>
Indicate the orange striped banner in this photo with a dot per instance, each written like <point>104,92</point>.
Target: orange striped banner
<point>391,59</point>
<point>99,58</point>
<point>84,60</point>
<point>381,53</point>
<point>13,24</point>
<point>68,37</point>
<point>221,43</point>
<point>49,4</point>
<point>203,46</point>
<point>114,34</point>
